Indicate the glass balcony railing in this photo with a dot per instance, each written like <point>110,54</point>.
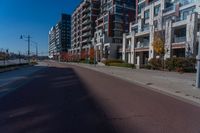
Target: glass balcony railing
<point>142,44</point>
<point>185,2</point>
<point>171,8</point>
<point>140,1</point>
<point>145,28</point>
<point>179,39</point>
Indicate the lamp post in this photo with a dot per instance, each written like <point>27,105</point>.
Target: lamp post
<point>198,67</point>
<point>95,56</point>
<point>36,51</point>
<point>29,38</point>
<point>19,56</point>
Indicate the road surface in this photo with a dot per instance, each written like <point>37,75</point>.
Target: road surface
<point>63,98</point>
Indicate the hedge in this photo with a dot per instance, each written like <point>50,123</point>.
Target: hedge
<point>108,62</point>
<point>178,64</point>
<point>181,64</point>
<point>122,65</point>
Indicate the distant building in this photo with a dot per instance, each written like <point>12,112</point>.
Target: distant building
<point>83,26</point>
<point>60,36</point>
<point>114,19</point>
<point>99,25</point>
<point>179,22</point>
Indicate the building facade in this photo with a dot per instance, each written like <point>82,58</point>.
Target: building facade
<point>83,27</point>
<point>60,36</point>
<point>177,20</point>
<point>112,22</point>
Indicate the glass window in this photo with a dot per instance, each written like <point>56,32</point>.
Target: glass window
<point>118,18</point>
<point>118,9</point>
<point>156,10</point>
<point>140,6</point>
<point>185,13</point>
<point>146,14</point>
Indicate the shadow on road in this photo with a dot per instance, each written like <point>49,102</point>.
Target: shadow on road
<point>54,101</point>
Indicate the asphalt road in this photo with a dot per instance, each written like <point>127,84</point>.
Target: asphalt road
<point>69,99</point>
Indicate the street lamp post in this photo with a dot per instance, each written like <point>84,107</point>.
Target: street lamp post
<point>4,58</point>
<point>95,49</point>
<point>19,56</point>
<point>198,67</point>
<point>29,38</point>
<point>36,51</point>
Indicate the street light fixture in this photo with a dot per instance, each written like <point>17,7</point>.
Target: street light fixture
<point>29,38</point>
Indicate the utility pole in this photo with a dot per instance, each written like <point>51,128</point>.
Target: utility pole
<point>28,48</point>
<point>4,57</point>
<point>19,57</point>
<point>29,40</point>
<point>198,67</point>
<point>36,52</point>
<point>95,56</point>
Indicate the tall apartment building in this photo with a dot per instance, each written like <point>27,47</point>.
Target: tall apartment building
<point>83,26</point>
<point>113,21</point>
<point>179,22</point>
<point>52,41</point>
<point>60,36</point>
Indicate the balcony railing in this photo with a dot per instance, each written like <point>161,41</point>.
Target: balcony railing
<point>185,2</point>
<point>179,39</point>
<point>142,45</point>
<point>145,28</point>
<point>169,9</point>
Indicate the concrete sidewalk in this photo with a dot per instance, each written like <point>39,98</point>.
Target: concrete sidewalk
<point>181,86</point>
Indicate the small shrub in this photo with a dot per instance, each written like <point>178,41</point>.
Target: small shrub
<point>92,61</point>
<point>108,62</point>
<point>122,65</point>
<point>155,64</point>
<point>170,64</point>
<point>181,64</point>
<point>147,66</point>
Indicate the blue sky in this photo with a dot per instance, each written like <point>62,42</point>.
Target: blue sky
<point>34,17</point>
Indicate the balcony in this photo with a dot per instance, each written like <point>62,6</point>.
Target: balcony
<point>86,10</point>
<point>179,39</point>
<point>145,28</point>
<point>86,22</point>
<point>86,34</point>
<point>186,2</point>
<point>142,45</point>
<point>86,16</point>
<point>171,8</point>
<point>86,40</point>
<point>86,28</point>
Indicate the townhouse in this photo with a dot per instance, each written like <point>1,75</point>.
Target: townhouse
<point>177,20</point>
